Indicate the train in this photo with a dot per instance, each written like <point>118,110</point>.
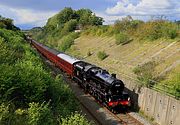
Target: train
<point>105,87</point>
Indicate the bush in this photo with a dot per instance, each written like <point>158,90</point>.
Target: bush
<point>74,119</point>
<point>25,80</point>
<point>69,27</point>
<point>172,83</point>
<point>4,113</point>
<point>145,73</point>
<point>172,33</point>
<point>62,98</point>
<point>102,55</point>
<point>67,41</point>
<point>121,38</point>
<point>89,53</point>
<point>156,29</point>
<point>39,114</point>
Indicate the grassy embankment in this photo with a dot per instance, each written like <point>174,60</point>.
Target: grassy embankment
<point>29,95</point>
<point>152,58</point>
<point>147,51</point>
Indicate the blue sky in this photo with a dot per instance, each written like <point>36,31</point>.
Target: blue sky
<point>29,13</point>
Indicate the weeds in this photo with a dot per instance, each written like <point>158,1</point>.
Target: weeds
<point>102,55</point>
<point>121,38</point>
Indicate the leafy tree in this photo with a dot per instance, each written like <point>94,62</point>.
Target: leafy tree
<point>7,23</point>
<point>69,27</point>
<point>87,17</point>
<point>65,15</point>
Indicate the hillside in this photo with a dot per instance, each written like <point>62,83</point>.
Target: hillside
<point>123,59</point>
<point>143,51</point>
<point>29,94</point>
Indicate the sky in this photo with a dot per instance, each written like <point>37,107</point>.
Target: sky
<point>34,13</point>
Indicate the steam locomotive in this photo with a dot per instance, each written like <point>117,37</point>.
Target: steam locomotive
<point>105,87</point>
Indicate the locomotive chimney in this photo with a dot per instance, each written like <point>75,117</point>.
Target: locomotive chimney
<point>113,75</point>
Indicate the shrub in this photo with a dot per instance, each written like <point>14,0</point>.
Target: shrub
<point>173,84</point>
<point>67,41</point>
<point>121,38</point>
<point>39,114</point>
<point>25,80</point>
<point>172,33</point>
<point>102,55</point>
<point>4,113</point>
<point>89,53</point>
<point>156,29</point>
<point>74,119</point>
<point>127,24</point>
<point>145,73</point>
<point>69,27</point>
<point>64,102</point>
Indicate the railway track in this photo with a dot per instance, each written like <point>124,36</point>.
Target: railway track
<point>128,119</point>
<point>91,117</point>
<point>123,118</point>
<point>120,119</point>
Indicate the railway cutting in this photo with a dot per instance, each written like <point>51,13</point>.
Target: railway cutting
<point>105,92</point>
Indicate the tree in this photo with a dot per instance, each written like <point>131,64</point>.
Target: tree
<point>69,27</point>
<point>65,15</point>
<point>87,17</point>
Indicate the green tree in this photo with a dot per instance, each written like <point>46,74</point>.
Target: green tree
<point>65,15</point>
<point>87,17</point>
<point>70,26</point>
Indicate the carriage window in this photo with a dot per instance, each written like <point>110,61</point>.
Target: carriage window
<point>77,73</point>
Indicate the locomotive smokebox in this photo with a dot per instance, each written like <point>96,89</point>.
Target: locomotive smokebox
<point>113,75</point>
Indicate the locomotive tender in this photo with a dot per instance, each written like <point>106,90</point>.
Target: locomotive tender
<point>105,87</point>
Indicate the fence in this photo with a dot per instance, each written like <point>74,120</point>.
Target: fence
<point>164,109</point>
<point>162,88</point>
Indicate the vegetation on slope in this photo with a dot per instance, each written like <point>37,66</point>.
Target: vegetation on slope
<point>128,30</point>
<point>58,34</point>
<point>151,30</point>
<point>59,28</point>
<point>29,95</point>
<point>102,55</point>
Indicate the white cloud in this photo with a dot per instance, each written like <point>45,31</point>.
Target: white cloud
<point>146,7</point>
<point>25,16</point>
<point>109,19</point>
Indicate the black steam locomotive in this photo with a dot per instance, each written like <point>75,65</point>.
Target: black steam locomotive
<point>105,87</point>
